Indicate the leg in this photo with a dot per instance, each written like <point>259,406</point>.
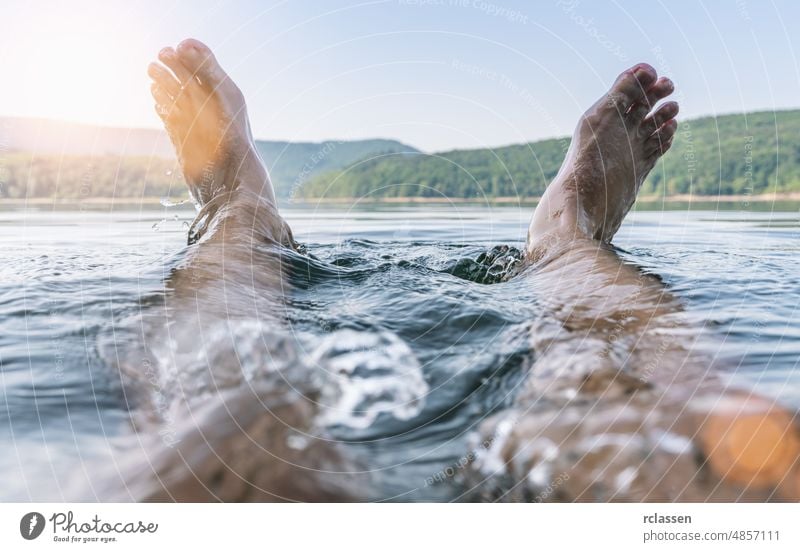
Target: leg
<point>224,387</point>
<point>614,147</point>
<point>617,398</point>
<point>205,115</point>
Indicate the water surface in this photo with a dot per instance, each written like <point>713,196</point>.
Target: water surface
<point>68,279</point>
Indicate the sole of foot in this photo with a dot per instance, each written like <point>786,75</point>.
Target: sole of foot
<point>205,115</point>
<point>616,144</point>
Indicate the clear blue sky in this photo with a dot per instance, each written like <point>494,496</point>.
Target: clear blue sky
<point>437,74</point>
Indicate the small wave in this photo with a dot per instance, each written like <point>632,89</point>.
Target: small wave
<point>373,374</point>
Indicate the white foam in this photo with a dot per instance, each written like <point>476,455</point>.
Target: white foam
<point>368,374</point>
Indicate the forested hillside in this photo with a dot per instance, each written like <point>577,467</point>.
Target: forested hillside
<point>40,158</point>
<point>733,154</point>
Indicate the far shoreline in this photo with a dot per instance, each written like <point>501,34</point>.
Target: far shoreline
<point>182,203</point>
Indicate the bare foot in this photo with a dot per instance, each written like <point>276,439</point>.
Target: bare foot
<point>620,405</point>
<point>614,147</point>
<point>205,115</point>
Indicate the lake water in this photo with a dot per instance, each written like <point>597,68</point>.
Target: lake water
<point>68,277</point>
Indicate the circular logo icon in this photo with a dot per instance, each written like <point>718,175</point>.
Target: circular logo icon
<point>31,525</point>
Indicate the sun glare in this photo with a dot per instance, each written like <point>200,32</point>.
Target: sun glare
<point>76,64</point>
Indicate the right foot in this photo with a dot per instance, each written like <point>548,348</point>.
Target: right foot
<point>614,147</point>
<point>618,347</point>
<point>205,116</point>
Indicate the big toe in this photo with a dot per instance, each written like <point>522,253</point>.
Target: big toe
<point>662,88</point>
<point>200,60</point>
<point>632,85</point>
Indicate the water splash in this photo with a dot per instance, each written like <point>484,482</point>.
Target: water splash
<point>168,202</point>
<point>372,374</point>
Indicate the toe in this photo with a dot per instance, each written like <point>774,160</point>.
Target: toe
<point>164,79</point>
<point>655,121</point>
<point>169,57</point>
<point>165,104</point>
<point>661,140</point>
<point>631,86</point>
<point>198,58</point>
<point>161,96</point>
<point>167,113</point>
<point>664,147</point>
<point>662,88</point>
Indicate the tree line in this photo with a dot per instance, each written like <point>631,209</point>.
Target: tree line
<point>742,154</point>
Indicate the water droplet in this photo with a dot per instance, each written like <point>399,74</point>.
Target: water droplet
<point>297,442</point>
<point>167,202</point>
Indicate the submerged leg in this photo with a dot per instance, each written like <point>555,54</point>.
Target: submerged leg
<point>618,399</point>
<point>226,392</point>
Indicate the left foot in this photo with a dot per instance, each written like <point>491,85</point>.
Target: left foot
<point>205,116</point>
<point>614,147</point>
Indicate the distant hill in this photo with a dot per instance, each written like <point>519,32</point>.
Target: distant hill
<point>49,137</point>
<point>44,158</point>
<point>744,154</point>
<point>291,164</point>
<point>750,153</point>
